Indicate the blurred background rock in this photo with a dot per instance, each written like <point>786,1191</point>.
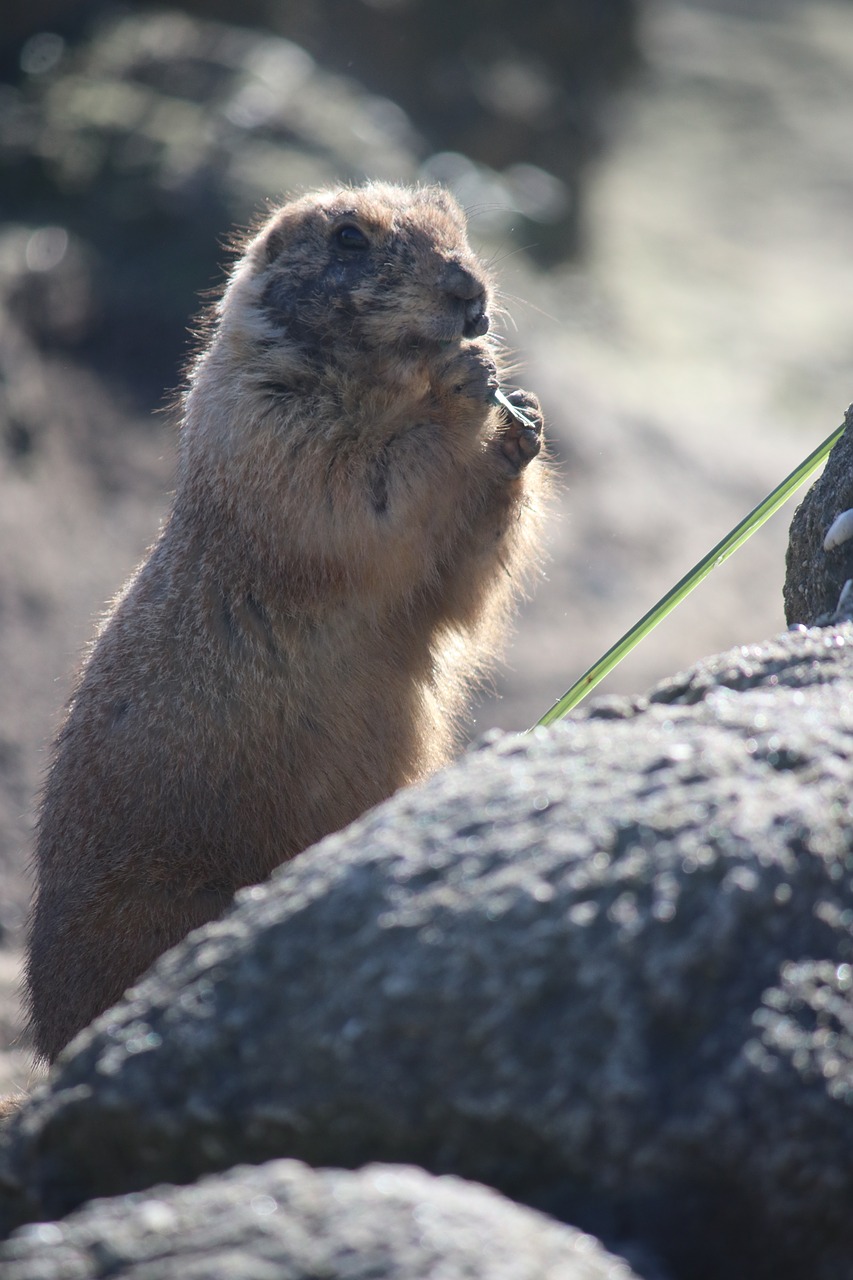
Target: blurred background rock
<point>665,188</point>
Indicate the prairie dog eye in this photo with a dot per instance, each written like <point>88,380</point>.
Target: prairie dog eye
<point>351,238</point>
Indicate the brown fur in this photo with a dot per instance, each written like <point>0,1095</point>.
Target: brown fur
<point>351,517</point>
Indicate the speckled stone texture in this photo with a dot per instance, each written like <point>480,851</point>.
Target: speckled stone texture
<point>606,969</point>
<point>815,578</point>
<point>283,1221</point>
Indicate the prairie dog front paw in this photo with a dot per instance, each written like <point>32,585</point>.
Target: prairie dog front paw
<point>519,443</point>
<point>470,371</point>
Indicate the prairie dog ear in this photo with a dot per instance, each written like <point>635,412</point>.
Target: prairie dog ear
<point>439,197</point>
<point>274,242</point>
<point>297,223</point>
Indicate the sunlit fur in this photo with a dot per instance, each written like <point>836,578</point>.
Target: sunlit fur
<point>348,531</point>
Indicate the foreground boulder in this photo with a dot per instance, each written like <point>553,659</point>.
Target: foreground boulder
<point>284,1220</point>
<point>606,969</point>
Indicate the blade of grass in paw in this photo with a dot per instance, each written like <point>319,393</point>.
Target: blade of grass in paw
<point>498,397</point>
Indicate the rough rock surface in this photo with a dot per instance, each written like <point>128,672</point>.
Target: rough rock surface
<point>815,578</point>
<point>284,1220</point>
<point>605,968</point>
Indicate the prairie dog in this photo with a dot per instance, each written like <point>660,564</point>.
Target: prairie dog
<point>351,519</point>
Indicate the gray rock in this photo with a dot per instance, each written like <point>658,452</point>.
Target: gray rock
<point>815,578</point>
<point>285,1220</point>
<point>605,968</point>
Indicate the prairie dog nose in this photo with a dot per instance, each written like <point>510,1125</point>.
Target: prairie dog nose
<point>460,283</point>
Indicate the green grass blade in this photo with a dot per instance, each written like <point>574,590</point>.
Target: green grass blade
<point>673,597</point>
<point>498,397</point>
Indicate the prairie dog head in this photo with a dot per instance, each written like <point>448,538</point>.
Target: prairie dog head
<point>362,268</point>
